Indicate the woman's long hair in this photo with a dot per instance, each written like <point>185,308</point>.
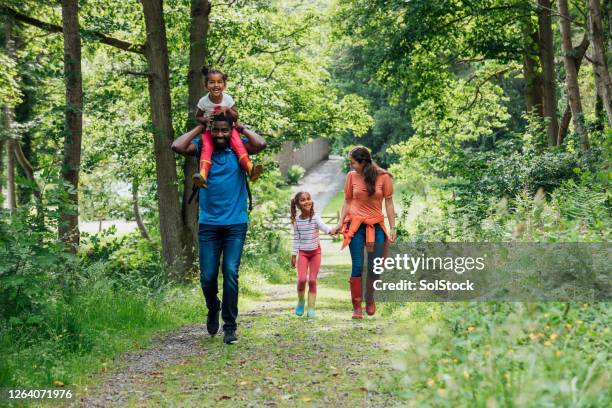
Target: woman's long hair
<point>295,201</point>
<point>370,169</point>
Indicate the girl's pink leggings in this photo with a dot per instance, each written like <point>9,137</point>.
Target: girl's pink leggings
<point>308,264</point>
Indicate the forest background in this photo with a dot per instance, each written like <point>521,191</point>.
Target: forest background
<point>494,117</point>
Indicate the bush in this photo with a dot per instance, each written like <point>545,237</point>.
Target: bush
<point>295,173</point>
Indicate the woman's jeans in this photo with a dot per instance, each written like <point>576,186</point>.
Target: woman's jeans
<point>214,241</point>
<point>356,247</point>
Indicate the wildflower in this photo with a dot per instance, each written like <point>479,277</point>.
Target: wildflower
<point>466,375</point>
<point>558,353</point>
<point>431,382</point>
<point>487,354</point>
<point>471,329</point>
<point>547,343</point>
<point>554,336</point>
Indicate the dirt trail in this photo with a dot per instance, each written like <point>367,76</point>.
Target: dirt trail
<point>280,360</point>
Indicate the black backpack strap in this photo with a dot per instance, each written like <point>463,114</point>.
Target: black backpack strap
<point>194,192</point>
<point>249,193</point>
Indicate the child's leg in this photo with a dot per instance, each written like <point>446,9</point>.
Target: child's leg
<point>314,265</point>
<point>206,149</point>
<point>302,270</point>
<point>243,156</point>
<point>206,154</point>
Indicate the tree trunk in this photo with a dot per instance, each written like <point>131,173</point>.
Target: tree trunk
<point>10,177</point>
<point>571,75</point>
<point>171,225</point>
<point>2,143</point>
<point>198,33</point>
<point>600,62</point>
<point>547,61</point>
<point>533,79</point>
<point>141,227</point>
<point>577,55</point>
<point>69,226</point>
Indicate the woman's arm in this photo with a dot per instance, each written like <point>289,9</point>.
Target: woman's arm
<point>183,144</point>
<point>391,217</point>
<point>254,143</point>
<point>345,209</point>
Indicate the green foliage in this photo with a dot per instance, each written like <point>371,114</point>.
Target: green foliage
<point>506,354</point>
<point>9,88</point>
<point>295,173</point>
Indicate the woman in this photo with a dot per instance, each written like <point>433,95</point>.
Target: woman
<point>362,221</point>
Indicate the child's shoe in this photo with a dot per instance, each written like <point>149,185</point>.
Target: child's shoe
<point>311,313</point>
<point>299,309</point>
<point>256,172</point>
<point>199,181</point>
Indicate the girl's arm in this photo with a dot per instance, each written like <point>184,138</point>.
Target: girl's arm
<point>183,145</point>
<point>321,225</point>
<point>201,117</point>
<point>294,246</point>
<point>391,217</point>
<point>345,209</point>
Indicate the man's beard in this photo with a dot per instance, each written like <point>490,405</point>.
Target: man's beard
<point>220,144</point>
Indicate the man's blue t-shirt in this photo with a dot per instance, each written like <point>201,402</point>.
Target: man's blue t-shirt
<point>224,202</point>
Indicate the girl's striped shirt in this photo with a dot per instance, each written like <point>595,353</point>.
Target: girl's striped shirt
<point>306,233</point>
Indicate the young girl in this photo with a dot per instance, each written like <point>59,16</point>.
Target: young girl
<point>210,105</point>
<point>306,248</point>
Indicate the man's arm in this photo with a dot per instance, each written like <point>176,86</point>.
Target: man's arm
<point>254,143</point>
<point>183,144</point>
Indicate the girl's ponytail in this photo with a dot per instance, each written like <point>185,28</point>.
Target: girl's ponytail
<point>293,210</point>
<point>206,71</point>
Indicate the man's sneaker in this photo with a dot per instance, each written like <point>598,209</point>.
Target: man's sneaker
<point>230,337</point>
<point>212,322</point>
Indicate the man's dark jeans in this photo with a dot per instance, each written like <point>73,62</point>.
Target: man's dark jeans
<point>214,241</point>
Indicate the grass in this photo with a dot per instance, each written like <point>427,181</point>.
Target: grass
<point>86,334</point>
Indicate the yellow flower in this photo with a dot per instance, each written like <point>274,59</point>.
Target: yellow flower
<point>431,382</point>
<point>568,326</point>
<point>466,375</point>
<point>579,322</point>
<point>558,353</point>
<point>547,343</point>
<point>471,329</point>
<point>554,336</point>
<point>487,354</point>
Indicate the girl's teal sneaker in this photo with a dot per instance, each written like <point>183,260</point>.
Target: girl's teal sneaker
<point>299,309</point>
<point>311,313</point>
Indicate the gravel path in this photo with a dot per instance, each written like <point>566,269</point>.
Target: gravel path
<point>323,181</point>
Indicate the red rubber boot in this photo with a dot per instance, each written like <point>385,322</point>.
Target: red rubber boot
<point>356,292</point>
<point>369,297</point>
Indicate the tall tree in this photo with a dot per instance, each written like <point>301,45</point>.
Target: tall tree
<point>600,61</point>
<point>198,34</point>
<point>73,131</point>
<point>571,74</point>
<point>170,220</point>
<point>533,78</point>
<point>547,61</point>
<point>577,56</point>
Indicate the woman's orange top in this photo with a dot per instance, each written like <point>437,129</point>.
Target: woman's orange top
<point>356,194</point>
<point>363,208</point>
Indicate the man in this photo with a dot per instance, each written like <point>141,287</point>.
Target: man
<point>222,219</point>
